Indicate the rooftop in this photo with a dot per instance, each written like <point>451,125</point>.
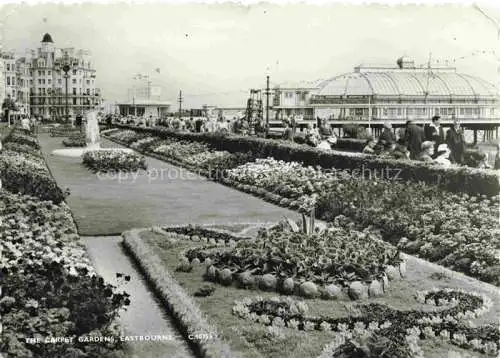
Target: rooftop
<point>47,38</point>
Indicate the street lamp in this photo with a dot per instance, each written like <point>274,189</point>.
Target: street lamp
<point>66,69</point>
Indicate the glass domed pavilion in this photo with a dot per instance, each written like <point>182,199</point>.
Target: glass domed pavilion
<point>373,95</point>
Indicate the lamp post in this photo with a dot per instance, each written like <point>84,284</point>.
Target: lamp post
<point>66,69</point>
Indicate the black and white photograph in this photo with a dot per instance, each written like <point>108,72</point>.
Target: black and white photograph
<point>280,179</point>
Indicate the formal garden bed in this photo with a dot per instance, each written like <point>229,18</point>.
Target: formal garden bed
<point>455,179</point>
<point>49,287</point>
<point>458,230</point>
<point>75,140</point>
<point>103,160</point>
<point>429,313</point>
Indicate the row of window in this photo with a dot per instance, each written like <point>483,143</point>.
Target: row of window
<point>43,91</point>
<point>41,81</point>
<point>302,96</point>
<point>419,111</point>
<point>61,102</point>
<point>58,72</point>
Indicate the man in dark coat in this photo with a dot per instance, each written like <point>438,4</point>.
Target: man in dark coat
<point>387,136</point>
<point>414,137</point>
<point>436,132</point>
<point>456,143</point>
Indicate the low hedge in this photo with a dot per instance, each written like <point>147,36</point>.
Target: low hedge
<point>351,144</point>
<point>461,179</point>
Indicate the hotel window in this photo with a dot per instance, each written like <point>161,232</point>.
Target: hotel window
<point>400,112</point>
<point>8,81</point>
<point>43,91</point>
<point>74,90</point>
<point>74,72</point>
<point>8,67</point>
<point>74,101</point>
<point>88,82</point>
<point>462,111</point>
<point>49,73</point>
<point>386,113</point>
<point>88,91</point>
<point>288,94</point>
<point>476,111</point>
<point>13,81</point>
<point>492,112</point>
<point>49,81</point>
<point>74,81</point>
<point>436,111</point>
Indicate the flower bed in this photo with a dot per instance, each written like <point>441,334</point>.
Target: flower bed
<point>337,263</point>
<point>455,231</point>
<point>23,137</point>
<point>63,131</point>
<point>467,180</point>
<point>113,161</point>
<point>75,140</point>
<point>24,171</point>
<point>402,329</point>
<point>49,288</point>
<point>297,329</point>
<point>458,231</point>
<point>180,150</point>
<point>127,136</point>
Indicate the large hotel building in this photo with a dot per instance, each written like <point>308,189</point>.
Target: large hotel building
<point>40,86</point>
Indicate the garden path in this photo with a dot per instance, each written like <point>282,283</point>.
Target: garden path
<point>144,316</point>
<point>105,205</point>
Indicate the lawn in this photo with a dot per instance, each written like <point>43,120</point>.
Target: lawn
<point>253,340</point>
<point>107,205</point>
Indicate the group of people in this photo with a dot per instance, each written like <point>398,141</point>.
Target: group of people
<point>29,123</point>
<point>427,144</point>
<point>321,137</point>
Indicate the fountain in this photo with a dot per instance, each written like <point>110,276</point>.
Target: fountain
<point>92,139</point>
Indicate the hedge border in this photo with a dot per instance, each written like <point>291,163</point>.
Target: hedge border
<point>462,179</point>
<point>186,313</point>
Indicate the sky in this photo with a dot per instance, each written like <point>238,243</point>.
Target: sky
<point>215,53</point>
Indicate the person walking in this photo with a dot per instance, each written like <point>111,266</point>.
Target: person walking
<point>414,137</point>
<point>456,143</point>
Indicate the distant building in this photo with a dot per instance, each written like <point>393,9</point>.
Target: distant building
<point>395,94</point>
<point>144,101</point>
<point>38,85</point>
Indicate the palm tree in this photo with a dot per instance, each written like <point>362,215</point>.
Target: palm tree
<point>8,105</point>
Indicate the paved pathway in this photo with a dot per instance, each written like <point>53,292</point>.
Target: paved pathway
<point>105,205</point>
<point>144,316</point>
